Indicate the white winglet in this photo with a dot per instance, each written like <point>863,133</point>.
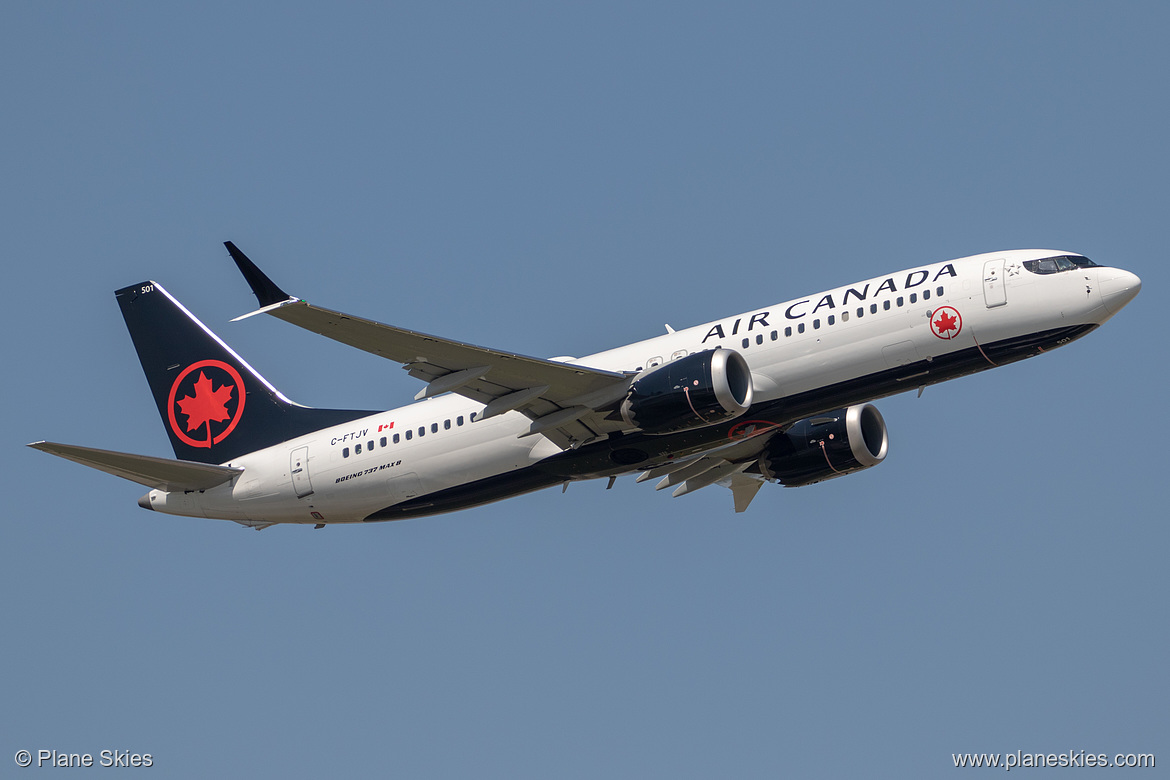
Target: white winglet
<point>266,309</point>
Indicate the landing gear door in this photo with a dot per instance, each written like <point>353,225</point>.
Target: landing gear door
<point>299,467</point>
<point>994,293</point>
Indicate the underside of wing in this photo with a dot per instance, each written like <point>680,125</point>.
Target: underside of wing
<point>566,402</point>
<point>733,465</point>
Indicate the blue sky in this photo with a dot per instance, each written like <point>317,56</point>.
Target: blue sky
<point>557,181</point>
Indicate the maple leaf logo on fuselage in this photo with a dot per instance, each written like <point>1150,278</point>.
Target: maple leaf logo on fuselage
<point>945,322</point>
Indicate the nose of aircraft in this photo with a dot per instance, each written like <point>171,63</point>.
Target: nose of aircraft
<point>1118,288</point>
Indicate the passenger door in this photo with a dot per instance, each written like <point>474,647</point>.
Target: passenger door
<point>994,292</point>
<point>299,468</point>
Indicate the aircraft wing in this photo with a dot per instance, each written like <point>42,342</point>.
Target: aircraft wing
<point>562,399</point>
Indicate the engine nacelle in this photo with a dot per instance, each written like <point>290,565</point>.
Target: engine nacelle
<point>690,392</point>
<point>826,446</point>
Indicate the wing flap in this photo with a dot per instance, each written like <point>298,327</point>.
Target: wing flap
<point>728,465</point>
<point>157,473</point>
<point>709,477</point>
<point>743,489</point>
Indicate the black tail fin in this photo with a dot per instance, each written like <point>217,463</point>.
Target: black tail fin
<point>214,405</point>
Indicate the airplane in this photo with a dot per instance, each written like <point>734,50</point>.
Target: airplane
<point>780,394</point>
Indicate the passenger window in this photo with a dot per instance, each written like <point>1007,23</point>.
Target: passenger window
<point>745,343</point>
<point>860,311</point>
<point>434,427</point>
<point>472,418</point>
<point>422,431</point>
<point>913,297</point>
<point>775,335</point>
<point>844,316</point>
<point>939,292</point>
<point>459,420</point>
<point>788,331</point>
<point>886,305</point>
<point>396,439</point>
<point>357,449</point>
<point>816,324</point>
<point>370,446</point>
<point>446,425</point>
<point>926,295</point>
<point>759,338</point>
<point>409,434</point>
<point>901,300</point>
<point>345,452</point>
<point>800,328</point>
<point>832,319</point>
<point>873,308</point>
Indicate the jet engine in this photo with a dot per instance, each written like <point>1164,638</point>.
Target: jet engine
<point>690,392</point>
<point>826,446</point>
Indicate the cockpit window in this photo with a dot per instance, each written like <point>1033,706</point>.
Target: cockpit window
<point>1045,266</point>
<point>1054,265</point>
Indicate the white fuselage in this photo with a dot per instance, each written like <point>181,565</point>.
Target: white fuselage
<point>343,474</point>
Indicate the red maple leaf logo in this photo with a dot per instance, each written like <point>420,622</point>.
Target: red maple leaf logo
<point>945,322</point>
<point>206,406</point>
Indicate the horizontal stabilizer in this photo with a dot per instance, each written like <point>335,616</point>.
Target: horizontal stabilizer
<point>158,473</point>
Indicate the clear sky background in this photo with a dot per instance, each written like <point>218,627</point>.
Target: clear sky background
<point>557,181</point>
